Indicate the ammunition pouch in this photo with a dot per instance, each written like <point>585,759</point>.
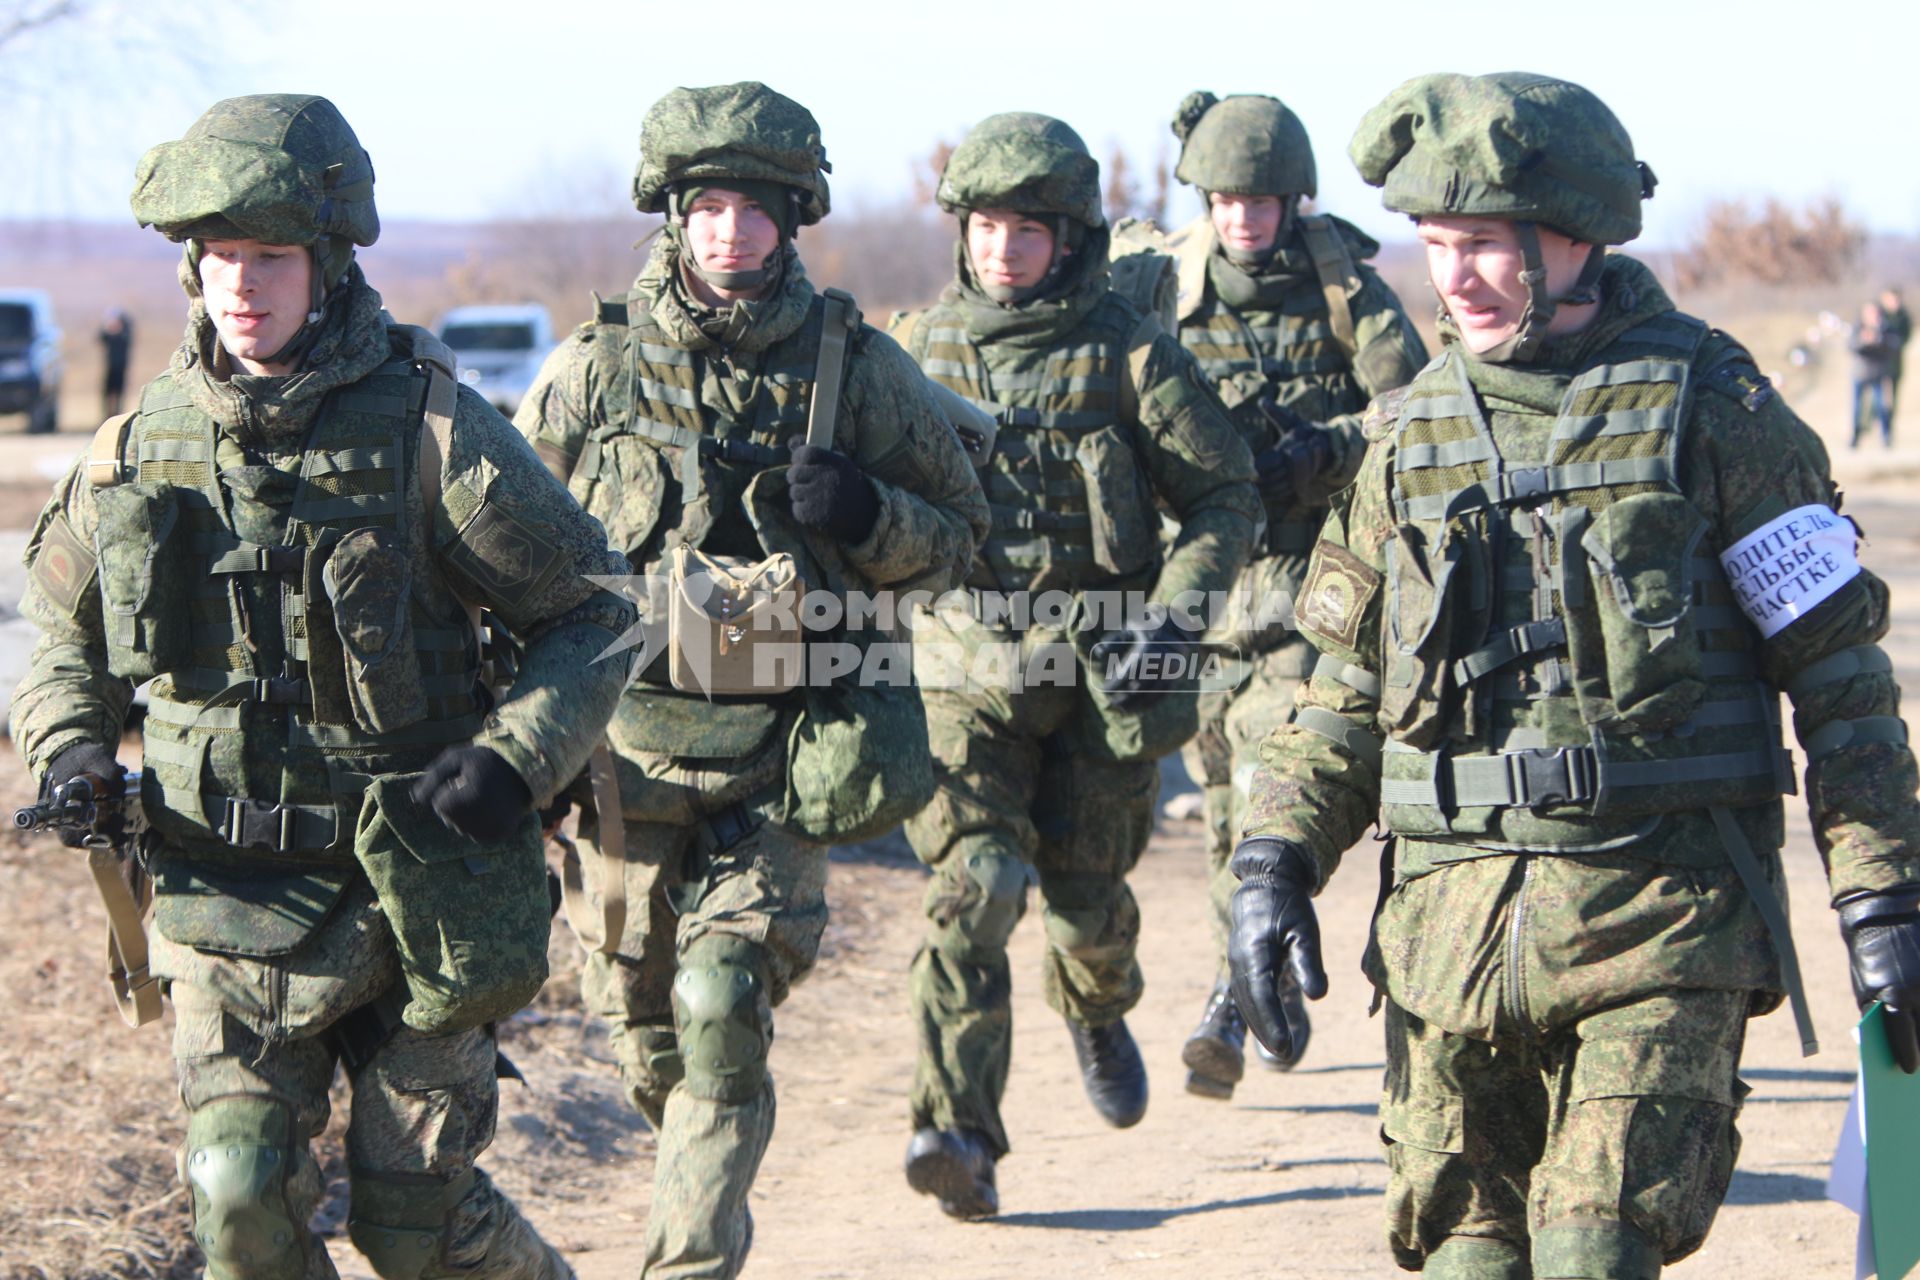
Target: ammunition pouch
<point>369,581</point>
<point>146,580</point>
<point>1636,653</point>
<point>1125,527</point>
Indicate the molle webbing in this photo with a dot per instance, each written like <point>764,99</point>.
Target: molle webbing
<point>1047,401</point>
<point>253,653</point>
<point>1282,346</point>
<point>1619,425</point>
<point>671,405</point>
<point>1618,433</point>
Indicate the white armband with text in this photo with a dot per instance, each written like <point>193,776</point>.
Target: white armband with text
<point>1788,565</point>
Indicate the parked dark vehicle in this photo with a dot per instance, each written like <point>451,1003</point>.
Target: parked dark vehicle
<point>30,363</point>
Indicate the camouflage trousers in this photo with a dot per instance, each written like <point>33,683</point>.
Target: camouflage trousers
<point>1223,755</point>
<point>718,872</point>
<point>423,1110</point>
<point>1015,798</point>
<point>1597,1149</point>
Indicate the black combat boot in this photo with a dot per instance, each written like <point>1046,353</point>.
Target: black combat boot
<point>1215,1053</point>
<point>1111,1069</point>
<point>955,1166</point>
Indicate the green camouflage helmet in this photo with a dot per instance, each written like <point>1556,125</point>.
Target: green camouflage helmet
<point>1246,144</point>
<point>281,168</point>
<point>1511,145</point>
<point>1026,162</point>
<point>742,131</point>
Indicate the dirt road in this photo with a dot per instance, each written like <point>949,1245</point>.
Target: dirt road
<point>1285,1179</point>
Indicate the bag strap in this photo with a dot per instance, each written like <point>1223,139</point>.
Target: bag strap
<point>1335,269</point>
<point>1747,866</point>
<point>106,464</point>
<point>436,446</point>
<point>599,936</point>
<point>125,892</point>
<point>838,320</point>
<point>1139,350</point>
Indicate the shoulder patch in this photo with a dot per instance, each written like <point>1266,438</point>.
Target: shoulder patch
<point>64,568</point>
<point>1334,600</point>
<point>1383,413</point>
<point>502,556</point>
<point>1733,372</point>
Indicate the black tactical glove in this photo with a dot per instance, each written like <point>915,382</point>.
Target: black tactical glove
<point>1273,926</point>
<point>1883,940</point>
<point>96,762</point>
<point>828,493</point>
<point>1288,474</point>
<point>1135,660</point>
<point>555,813</point>
<point>475,792</point>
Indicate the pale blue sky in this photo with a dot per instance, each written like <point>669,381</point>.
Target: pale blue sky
<point>488,107</point>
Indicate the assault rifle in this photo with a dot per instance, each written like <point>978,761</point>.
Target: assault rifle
<point>108,827</point>
<point>79,808</point>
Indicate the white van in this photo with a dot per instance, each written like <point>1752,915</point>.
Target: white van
<point>500,348</point>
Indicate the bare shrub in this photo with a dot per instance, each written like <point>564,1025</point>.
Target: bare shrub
<point>1775,244</point>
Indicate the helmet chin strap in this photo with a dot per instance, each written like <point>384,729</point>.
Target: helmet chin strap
<point>1523,344</point>
<point>734,281</point>
<point>1015,295</point>
<point>295,348</point>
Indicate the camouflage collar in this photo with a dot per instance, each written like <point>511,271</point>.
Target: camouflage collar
<point>748,326</point>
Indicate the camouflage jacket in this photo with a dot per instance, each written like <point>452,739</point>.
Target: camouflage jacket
<point>1433,653</point>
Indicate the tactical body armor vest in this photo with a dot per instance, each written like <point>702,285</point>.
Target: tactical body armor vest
<point>1302,354</point>
<point>1565,660</point>
<point>683,438</point>
<point>300,641</point>
<point>1071,505</point>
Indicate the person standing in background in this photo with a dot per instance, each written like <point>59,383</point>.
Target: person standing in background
<point>1875,356</point>
<point>1898,325</point>
<point>116,342</point>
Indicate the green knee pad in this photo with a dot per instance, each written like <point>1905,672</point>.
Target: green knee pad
<point>974,924</point>
<point>238,1154</point>
<point>721,1014</point>
<point>1593,1249</point>
<point>401,1225</point>
<point>1477,1258</point>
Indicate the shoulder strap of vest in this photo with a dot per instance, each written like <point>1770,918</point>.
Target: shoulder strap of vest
<point>902,325</point>
<point>610,310</point>
<point>1191,246</point>
<point>838,320</point>
<point>420,345</point>
<point>106,460</point>
<point>1139,350</point>
<point>1334,266</point>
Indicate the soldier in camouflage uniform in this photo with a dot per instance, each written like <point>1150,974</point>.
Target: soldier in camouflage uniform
<point>287,538</point>
<point>1100,414</point>
<point>1586,551</point>
<point>676,415</point>
<point>1298,333</point>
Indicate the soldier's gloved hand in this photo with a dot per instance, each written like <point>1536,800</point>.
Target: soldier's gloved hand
<point>555,813</point>
<point>1135,660</point>
<point>475,792</point>
<point>1883,941</point>
<point>829,493</point>
<point>1274,927</point>
<point>1289,472</point>
<point>93,761</point>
